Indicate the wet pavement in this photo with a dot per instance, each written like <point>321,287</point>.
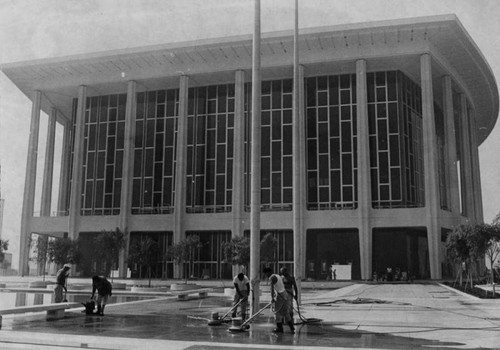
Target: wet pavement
<point>361,316</point>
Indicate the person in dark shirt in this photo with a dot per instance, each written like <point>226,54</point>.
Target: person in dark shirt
<point>104,290</point>
<point>61,277</point>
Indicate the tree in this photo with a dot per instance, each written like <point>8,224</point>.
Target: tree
<point>268,246</point>
<point>108,245</point>
<point>4,245</point>
<point>237,251</point>
<point>470,242</point>
<point>183,253</point>
<point>41,252</point>
<point>457,246</point>
<point>144,252</point>
<point>485,241</point>
<point>62,251</point>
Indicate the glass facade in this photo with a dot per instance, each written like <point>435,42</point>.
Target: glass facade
<point>276,145</point>
<point>395,140</point>
<point>395,131</point>
<point>210,149</point>
<point>331,142</point>
<point>208,260</point>
<point>154,152</point>
<point>103,154</point>
<point>163,268</point>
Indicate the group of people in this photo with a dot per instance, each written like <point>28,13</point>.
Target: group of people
<point>283,292</point>
<point>99,284</point>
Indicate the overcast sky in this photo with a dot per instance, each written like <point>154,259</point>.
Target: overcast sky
<point>32,29</point>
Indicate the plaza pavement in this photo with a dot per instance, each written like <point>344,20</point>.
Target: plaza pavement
<point>356,316</point>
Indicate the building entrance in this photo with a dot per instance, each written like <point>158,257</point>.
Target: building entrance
<point>400,253</point>
<point>327,247</point>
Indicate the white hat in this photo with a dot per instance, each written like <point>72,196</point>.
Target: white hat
<point>67,265</point>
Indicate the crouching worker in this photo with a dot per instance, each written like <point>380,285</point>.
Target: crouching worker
<point>279,297</point>
<point>103,288</point>
<point>241,292</point>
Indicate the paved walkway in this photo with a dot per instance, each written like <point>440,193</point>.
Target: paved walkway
<point>360,316</point>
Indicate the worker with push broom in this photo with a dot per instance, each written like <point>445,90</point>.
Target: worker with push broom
<point>61,277</point>
<point>241,292</point>
<point>279,297</point>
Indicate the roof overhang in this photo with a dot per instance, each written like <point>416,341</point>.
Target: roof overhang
<point>395,44</point>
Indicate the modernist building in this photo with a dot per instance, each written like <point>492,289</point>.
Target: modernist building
<point>157,143</point>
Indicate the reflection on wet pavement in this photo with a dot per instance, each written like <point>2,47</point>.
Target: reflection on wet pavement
<point>187,320</point>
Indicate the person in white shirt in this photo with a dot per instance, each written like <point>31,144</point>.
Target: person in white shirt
<point>279,297</point>
<point>241,292</point>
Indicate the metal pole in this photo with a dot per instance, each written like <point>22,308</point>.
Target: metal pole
<point>297,160</point>
<point>255,166</point>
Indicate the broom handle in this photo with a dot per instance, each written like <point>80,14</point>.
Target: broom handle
<point>231,309</point>
<point>256,314</point>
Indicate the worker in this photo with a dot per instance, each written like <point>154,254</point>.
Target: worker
<point>290,287</point>
<point>104,290</point>
<point>241,293</point>
<point>279,297</point>
<point>61,280</point>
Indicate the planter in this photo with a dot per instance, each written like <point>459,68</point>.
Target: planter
<point>120,286</point>
<point>143,289</point>
<point>229,292</point>
<point>38,284</point>
<point>79,286</point>
<point>183,286</point>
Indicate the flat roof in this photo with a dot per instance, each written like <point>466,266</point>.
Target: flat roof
<point>393,44</point>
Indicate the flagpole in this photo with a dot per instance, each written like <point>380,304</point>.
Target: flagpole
<point>255,165</point>
<point>297,160</point>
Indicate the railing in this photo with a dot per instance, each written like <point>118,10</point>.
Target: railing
<point>272,207</point>
<point>153,210</point>
<point>201,209</point>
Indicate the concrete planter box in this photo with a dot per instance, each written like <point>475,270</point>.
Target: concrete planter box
<point>183,286</point>
<point>79,286</point>
<point>141,289</point>
<point>38,284</point>
<point>119,286</point>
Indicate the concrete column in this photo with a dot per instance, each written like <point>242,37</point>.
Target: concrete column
<point>75,200</point>
<point>127,174</point>
<point>255,166</point>
<point>432,202</point>
<point>465,160</point>
<point>62,203</point>
<point>453,191</point>
<point>29,184</point>
<point>238,199</point>
<point>478,201</point>
<point>48,169</point>
<point>364,186</point>
<point>181,164</point>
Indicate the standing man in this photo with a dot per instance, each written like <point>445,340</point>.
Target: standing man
<point>290,287</point>
<point>279,297</point>
<point>103,288</point>
<point>241,292</point>
<point>61,277</point>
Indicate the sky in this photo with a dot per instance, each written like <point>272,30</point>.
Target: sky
<point>34,29</point>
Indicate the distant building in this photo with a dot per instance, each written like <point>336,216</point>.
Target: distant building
<point>156,142</point>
